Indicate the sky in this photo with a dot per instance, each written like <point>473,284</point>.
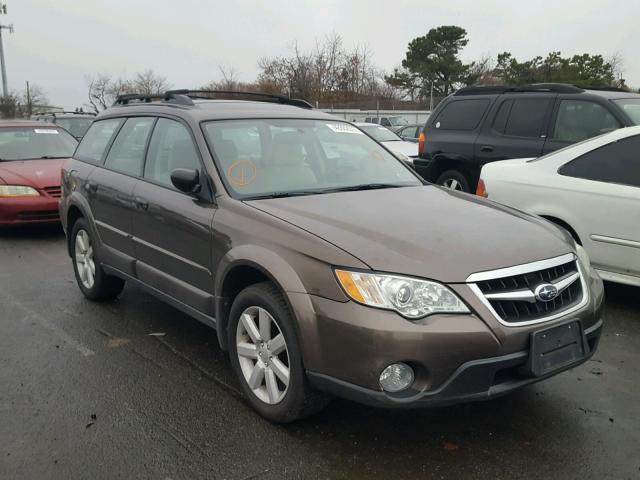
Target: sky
<point>57,44</point>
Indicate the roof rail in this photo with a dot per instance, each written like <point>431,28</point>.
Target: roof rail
<point>64,112</point>
<point>258,96</point>
<point>137,98</point>
<point>535,87</point>
<point>605,88</point>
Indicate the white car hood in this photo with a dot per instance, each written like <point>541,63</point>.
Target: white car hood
<point>410,149</point>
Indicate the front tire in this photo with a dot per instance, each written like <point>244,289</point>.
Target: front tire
<point>94,283</point>
<point>265,354</point>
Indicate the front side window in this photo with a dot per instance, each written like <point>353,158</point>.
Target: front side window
<point>617,162</point>
<point>171,147</point>
<point>96,140</point>
<point>127,152</point>
<point>299,157</point>
<point>461,114</point>
<point>31,143</point>
<point>581,119</point>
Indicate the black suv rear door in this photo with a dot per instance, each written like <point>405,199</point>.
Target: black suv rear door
<point>516,127</point>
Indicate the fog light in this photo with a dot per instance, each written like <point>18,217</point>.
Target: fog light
<point>396,377</point>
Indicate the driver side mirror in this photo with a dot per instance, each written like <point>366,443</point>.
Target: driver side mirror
<point>186,180</point>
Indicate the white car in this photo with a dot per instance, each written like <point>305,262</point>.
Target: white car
<point>404,150</point>
<point>591,188</point>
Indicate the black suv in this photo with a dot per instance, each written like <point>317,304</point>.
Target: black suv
<point>478,125</point>
<point>76,123</point>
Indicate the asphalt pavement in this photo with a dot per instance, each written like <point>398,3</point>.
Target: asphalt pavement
<point>135,389</point>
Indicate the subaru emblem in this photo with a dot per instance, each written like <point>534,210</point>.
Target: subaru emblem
<point>545,292</point>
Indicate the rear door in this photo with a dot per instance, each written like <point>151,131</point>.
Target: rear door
<point>172,230</point>
<point>516,128</point>
<point>605,189</point>
<point>110,189</point>
<point>574,120</point>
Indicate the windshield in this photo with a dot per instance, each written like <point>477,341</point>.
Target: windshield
<point>29,143</point>
<point>279,157</point>
<point>75,126</point>
<point>381,134</point>
<point>631,107</point>
<point>397,121</point>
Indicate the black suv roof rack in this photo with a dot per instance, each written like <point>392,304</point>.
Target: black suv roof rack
<point>258,96</point>
<point>534,87</point>
<point>168,97</point>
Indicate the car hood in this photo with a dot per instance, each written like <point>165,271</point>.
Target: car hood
<point>34,173</point>
<point>425,231</point>
<point>410,149</point>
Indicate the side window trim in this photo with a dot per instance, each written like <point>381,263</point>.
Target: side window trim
<point>202,169</point>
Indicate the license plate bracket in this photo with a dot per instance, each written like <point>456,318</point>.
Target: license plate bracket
<point>556,348</point>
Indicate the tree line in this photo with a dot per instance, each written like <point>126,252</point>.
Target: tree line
<point>331,74</point>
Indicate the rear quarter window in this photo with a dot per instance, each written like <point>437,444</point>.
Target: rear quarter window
<point>96,140</point>
<point>461,114</point>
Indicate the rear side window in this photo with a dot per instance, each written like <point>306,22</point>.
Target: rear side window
<point>127,152</point>
<point>97,138</point>
<point>461,114</point>
<point>522,117</point>
<point>171,147</point>
<point>618,162</point>
<point>581,119</point>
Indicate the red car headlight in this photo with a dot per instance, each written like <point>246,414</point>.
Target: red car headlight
<point>10,191</point>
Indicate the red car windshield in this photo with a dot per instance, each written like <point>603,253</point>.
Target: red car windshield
<point>29,143</point>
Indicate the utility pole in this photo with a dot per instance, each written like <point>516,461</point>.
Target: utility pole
<point>5,89</point>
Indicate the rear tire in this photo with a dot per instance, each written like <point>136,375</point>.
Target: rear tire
<point>94,283</point>
<point>454,180</point>
<point>269,365</point>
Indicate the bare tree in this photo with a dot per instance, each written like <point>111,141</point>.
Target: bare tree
<point>33,97</point>
<point>10,105</point>
<point>150,83</point>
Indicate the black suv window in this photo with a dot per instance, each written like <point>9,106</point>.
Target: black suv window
<point>617,162</point>
<point>96,140</point>
<point>171,147</point>
<point>127,152</point>
<point>461,114</point>
<point>522,117</point>
<point>581,119</point>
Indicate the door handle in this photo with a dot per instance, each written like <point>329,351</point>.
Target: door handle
<point>142,203</point>
<point>486,148</point>
<point>91,187</point>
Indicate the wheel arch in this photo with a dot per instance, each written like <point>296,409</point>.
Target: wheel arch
<point>245,266</point>
<point>558,221</point>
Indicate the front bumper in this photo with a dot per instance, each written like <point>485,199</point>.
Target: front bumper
<point>473,381</point>
<point>28,210</point>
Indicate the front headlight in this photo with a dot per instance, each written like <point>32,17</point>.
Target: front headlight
<point>583,256</point>
<point>410,297</point>
<point>17,191</point>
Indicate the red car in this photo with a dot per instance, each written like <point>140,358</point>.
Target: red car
<point>31,158</point>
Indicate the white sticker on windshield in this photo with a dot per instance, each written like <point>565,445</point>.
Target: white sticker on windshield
<point>50,131</point>
<point>343,128</point>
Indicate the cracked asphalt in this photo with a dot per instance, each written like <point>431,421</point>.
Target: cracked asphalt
<point>136,389</point>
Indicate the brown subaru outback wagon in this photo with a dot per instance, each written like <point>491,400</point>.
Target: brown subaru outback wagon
<point>326,265</point>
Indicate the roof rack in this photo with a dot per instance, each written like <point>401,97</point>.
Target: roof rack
<point>535,87</point>
<point>168,97</point>
<point>258,96</point>
<point>605,88</point>
<point>65,112</point>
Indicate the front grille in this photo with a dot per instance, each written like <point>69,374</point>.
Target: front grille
<point>55,192</point>
<point>518,310</point>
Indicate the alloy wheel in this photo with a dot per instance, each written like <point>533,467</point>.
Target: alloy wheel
<point>84,259</point>
<point>263,355</point>
<point>452,184</point>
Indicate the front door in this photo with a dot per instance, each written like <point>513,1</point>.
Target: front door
<point>172,230</point>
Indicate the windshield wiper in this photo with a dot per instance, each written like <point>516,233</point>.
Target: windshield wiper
<point>364,186</point>
<point>50,157</point>
<point>283,195</point>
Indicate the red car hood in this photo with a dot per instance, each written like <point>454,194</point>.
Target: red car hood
<point>33,173</point>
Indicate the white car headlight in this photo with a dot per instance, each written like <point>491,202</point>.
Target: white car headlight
<point>18,191</point>
<point>583,256</point>
<point>410,297</point>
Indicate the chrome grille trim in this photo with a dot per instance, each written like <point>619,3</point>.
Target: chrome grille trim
<point>527,268</point>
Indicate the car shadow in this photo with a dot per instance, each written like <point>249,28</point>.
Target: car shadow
<point>29,232</point>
